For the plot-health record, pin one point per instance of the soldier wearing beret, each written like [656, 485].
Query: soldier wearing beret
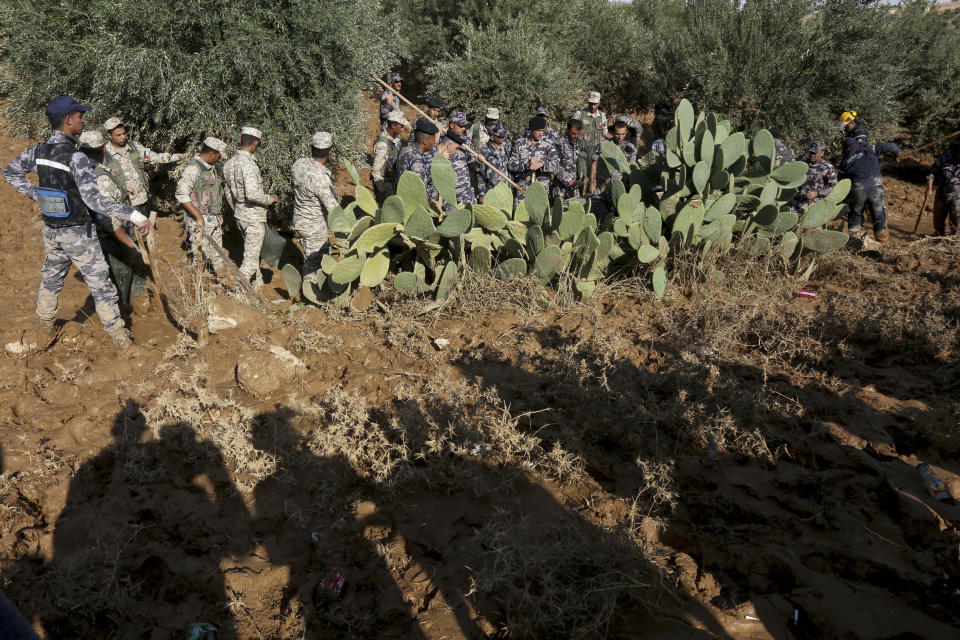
[418, 154]
[533, 157]
[495, 152]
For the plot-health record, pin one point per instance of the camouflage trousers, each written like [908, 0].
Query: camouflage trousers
[253, 233]
[316, 239]
[946, 206]
[68, 246]
[200, 247]
[870, 192]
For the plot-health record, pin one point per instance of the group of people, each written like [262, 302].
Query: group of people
[104, 185]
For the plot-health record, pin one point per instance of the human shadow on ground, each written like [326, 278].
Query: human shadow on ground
[780, 497]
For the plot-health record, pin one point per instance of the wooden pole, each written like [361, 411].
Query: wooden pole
[465, 148]
[930, 144]
[155, 299]
[226, 259]
[926, 195]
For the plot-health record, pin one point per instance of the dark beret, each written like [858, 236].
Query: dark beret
[426, 126]
[436, 103]
[536, 123]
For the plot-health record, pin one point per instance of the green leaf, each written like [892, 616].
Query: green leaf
[636, 235]
[480, 258]
[786, 220]
[490, 218]
[817, 215]
[365, 200]
[659, 281]
[327, 263]
[653, 225]
[511, 268]
[788, 245]
[351, 170]
[291, 279]
[548, 263]
[721, 207]
[626, 206]
[706, 148]
[791, 174]
[447, 280]
[375, 269]
[500, 197]
[613, 156]
[444, 178]
[375, 237]
[825, 240]
[405, 282]
[393, 210]
[839, 192]
[419, 224]
[362, 225]
[456, 223]
[340, 221]
[701, 175]
[535, 242]
[647, 254]
[769, 193]
[411, 189]
[572, 221]
[734, 149]
[347, 270]
[689, 153]
[766, 215]
[537, 202]
[765, 149]
[684, 118]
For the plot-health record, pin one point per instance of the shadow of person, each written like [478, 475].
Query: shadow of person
[141, 538]
[305, 519]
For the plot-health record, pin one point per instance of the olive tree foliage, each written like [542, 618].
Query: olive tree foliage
[180, 70]
[509, 66]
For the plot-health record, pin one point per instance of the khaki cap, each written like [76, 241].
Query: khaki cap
[492, 113]
[322, 140]
[112, 124]
[92, 139]
[216, 144]
[593, 97]
[251, 131]
[397, 116]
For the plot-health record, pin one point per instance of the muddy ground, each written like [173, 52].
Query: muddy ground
[732, 462]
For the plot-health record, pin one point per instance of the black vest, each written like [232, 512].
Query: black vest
[61, 204]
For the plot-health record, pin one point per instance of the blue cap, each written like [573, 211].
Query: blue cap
[63, 105]
[497, 128]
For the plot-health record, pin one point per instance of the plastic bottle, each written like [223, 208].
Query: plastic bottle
[934, 484]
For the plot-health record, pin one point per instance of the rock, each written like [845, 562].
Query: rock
[362, 299]
[226, 313]
[263, 372]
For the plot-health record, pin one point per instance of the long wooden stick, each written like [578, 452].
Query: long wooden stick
[247, 287]
[466, 148]
[930, 144]
[926, 194]
[155, 300]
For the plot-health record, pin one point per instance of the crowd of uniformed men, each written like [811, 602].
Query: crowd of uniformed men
[104, 185]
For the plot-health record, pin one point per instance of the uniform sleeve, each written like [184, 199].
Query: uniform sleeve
[566, 175]
[185, 184]
[324, 191]
[379, 160]
[17, 169]
[888, 147]
[829, 180]
[253, 185]
[153, 157]
[82, 170]
[109, 188]
[518, 161]
[552, 162]
[934, 169]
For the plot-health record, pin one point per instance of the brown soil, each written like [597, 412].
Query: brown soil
[710, 466]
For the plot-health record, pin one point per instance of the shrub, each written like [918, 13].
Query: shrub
[179, 71]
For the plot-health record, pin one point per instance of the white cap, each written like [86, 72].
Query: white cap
[251, 131]
[215, 143]
[321, 140]
[492, 113]
[593, 97]
[92, 139]
[112, 124]
[397, 116]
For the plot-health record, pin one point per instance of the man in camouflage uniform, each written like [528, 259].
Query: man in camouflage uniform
[385, 150]
[533, 158]
[945, 173]
[67, 196]
[200, 193]
[390, 99]
[463, 161]
[549, 134]
[116, 236]
[314, 199]
[821, 178]
[126, 160]
[594, 126]
[494, 152]
[434, 105]
[784, 153]
[417, 155]
[566, 182]
[479, 131]
[249, 201]
[619, 139]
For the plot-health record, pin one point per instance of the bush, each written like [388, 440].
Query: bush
[178, 71]
[509, 66]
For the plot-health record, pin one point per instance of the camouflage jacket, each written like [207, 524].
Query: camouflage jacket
[313, 196]
[127, 164]
[822, 178]
[385, 150]
[594, 126]
[487, 178]
[784, 154]
[412, 159]
[384, 109]
[200, 184]
[549, 134]
[110, 187]
[946, 171]
[245, 188]
[463, 163]
[567, 154]
[81, 169]
[523, 151]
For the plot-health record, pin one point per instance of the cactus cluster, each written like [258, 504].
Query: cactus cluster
[711, 190]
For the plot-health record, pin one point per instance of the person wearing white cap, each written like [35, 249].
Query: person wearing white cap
[385, 149]
[479, 130]
[249, 201]
[594, 126]
[126, 159]
[200, 193]
[313, 200]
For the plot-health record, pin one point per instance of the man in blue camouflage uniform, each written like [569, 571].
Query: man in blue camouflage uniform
[494, 152]
[566, 183]
[821, 178]
[463, 161]
[434, 105]
[549, 134]
[784, 153]
[533, 158]
[945, 173]
[390, 98]
[68, 196]
[861, 163]
[629, 150]
[418, 154]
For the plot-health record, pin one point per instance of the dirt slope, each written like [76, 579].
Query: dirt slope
[707, 467]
